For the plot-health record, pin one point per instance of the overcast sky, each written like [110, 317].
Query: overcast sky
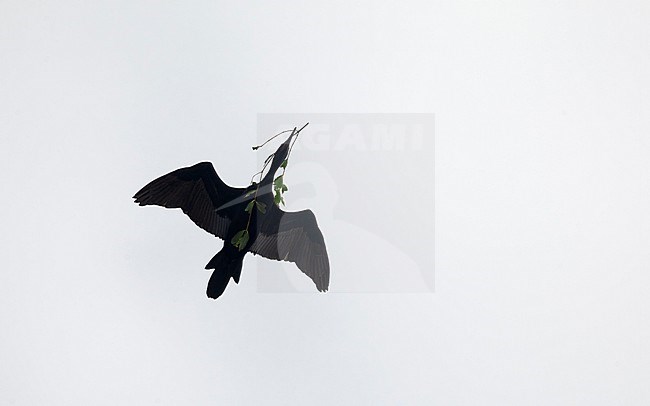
[539, 293]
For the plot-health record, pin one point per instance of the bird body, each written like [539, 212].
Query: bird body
[222, 211]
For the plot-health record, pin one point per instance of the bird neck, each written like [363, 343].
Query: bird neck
[275, 165]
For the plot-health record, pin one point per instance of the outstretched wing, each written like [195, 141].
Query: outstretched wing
[294, 237]
[198, 191]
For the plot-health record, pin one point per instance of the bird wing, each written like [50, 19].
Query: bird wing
[294, 237]
[198, 191]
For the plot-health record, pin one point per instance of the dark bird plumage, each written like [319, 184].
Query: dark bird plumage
[220, 210]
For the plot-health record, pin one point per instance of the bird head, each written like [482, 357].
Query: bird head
[282, 152]
[280, 155]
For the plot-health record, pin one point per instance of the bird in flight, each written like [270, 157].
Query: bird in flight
[247, 219]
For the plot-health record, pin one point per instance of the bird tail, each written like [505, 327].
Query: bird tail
[224, 269]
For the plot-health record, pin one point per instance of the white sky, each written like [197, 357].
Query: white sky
[541, 199]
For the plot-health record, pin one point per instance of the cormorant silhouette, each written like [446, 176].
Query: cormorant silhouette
[220, 210]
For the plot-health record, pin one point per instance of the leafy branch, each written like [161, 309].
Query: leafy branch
[240, 239]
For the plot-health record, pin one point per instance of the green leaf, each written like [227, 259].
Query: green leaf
[261, 207]
[235, 239]
[243, 240]
[252, 192]
[278, 182]
[240, 239]
[277, 198]
[284, 188]
[250, 206]
[284, 163]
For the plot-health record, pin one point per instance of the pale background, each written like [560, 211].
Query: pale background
[542, 229]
